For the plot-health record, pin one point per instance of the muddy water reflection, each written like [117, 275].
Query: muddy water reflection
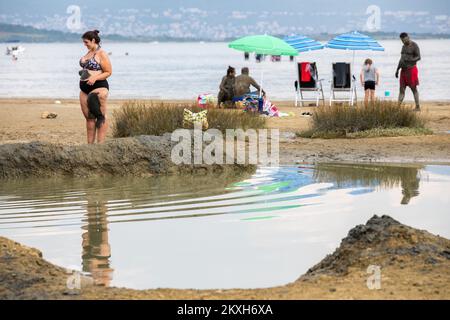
[257, 230]
[95, 243]
[381, 176]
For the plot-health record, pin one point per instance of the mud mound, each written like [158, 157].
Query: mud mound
[415, 265]
[383, 241]
[23, 270]
[142, 155]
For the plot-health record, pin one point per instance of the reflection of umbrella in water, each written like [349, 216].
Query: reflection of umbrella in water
[263, 44]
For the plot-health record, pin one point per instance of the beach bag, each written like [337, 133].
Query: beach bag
[273, 111]
[206, 99]
[190, 118]
[270, 109]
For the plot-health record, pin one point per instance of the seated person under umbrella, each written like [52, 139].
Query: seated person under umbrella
[242, 85]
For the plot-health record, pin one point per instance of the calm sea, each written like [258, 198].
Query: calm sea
[184, 70]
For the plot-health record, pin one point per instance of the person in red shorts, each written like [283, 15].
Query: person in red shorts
[409, 76]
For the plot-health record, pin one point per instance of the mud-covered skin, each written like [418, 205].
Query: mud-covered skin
[414, 264]
[139, 156]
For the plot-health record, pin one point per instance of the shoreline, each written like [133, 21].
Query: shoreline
[414, 263]
[169, 100]
[393, 36]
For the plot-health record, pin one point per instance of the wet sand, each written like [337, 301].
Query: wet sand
[414, 264]
[20, 121]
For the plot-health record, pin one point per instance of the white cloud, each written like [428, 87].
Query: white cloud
[405, 14]
[442, 17]
[238, 15]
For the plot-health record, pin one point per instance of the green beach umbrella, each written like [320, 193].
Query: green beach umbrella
[263, 44]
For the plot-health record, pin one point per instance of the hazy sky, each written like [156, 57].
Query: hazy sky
[218, 19]
[52, 7]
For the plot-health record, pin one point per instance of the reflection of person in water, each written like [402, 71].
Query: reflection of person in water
[410, 185]
[96, 249]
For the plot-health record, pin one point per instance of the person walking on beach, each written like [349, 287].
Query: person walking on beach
[409, 76]
[94, 87]
[226, 88]
[370, 78]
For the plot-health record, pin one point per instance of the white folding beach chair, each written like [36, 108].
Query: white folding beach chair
[308, 82]
[343, 82]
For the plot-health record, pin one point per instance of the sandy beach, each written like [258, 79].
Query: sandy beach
[69, 128]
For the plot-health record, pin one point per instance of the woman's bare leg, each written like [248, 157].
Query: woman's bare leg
[90, 123]
[372, 96]
[103, 98]
[366, 97]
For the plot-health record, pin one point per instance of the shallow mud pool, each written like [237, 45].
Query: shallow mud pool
[253, 231]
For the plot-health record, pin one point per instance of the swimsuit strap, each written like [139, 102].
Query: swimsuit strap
[95, 52]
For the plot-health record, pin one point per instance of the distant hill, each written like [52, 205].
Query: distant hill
[19, 33]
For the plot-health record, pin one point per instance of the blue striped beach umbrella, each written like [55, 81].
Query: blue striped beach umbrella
[302, 43]
[354, 41]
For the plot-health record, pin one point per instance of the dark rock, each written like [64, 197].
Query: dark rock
[372, 230]
[431, 260]
[71, 293]
[446, 254]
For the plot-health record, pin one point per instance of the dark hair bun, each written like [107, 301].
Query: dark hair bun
[92, 35]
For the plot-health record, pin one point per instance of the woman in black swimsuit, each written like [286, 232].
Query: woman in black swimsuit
[96, 69]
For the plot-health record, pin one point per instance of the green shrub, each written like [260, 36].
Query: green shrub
[141, 118]
[378, 119]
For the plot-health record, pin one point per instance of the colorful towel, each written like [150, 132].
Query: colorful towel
[251, 102]
[306, 72]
